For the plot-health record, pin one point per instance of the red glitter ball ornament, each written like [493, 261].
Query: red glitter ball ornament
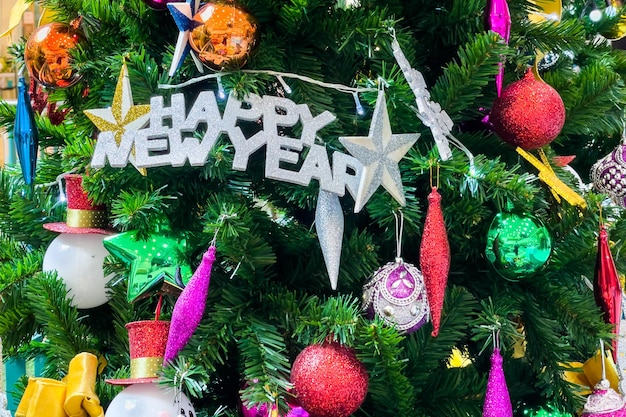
[529, 113]
[329, 380]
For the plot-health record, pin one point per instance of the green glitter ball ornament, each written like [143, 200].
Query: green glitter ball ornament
[517, 245]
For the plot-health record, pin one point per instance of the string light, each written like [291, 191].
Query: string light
[359, 107]
[221, 93]
[595, 15]
[284, 84]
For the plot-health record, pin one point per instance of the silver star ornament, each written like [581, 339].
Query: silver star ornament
[379, 152]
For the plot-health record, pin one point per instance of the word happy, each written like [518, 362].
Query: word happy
[168, 140]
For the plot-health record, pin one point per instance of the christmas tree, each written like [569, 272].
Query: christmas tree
[295, 146]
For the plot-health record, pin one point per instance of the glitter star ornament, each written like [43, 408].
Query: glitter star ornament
[329, 380]
[122, 116]
[497, 399]
[183, 13]
[379, 152]
[151, 261]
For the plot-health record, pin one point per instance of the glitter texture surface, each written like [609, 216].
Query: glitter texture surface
[189, 307]
[497, 400]
[329, 380]
[529, 113]
[329, 228]
[82, 215]
[147, 339]
[396, 293]
[604, 402]
[122, 116]
[379, 152]
[498, 19]
[435, 258]
[609, 175]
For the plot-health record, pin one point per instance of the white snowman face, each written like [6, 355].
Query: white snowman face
[150, 400]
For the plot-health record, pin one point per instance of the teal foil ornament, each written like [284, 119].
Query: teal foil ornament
[25, 133]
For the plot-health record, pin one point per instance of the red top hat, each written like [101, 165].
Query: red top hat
[147, 339]
[82, 215]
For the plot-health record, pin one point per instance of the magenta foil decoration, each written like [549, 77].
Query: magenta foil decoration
[497, 400]
[189, 307]
[498, 19]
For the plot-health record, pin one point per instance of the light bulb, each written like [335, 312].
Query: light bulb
[595, 15]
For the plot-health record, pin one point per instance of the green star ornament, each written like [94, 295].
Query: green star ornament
[151, 261]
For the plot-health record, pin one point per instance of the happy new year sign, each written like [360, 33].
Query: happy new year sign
[168, 140]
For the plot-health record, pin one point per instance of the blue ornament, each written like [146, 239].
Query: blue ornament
[183, 13]
[25, 133]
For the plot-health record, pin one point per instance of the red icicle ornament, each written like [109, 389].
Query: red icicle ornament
[435, 258]
[606, 286]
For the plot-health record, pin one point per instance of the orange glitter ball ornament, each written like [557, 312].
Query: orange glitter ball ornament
[225, 37]
[48, 55]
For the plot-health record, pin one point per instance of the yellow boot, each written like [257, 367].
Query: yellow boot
[81, 400]
[22, 408]
[42, 397]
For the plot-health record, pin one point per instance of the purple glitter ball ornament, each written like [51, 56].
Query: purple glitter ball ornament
[497, 400]
[397, 294]
[609, 175]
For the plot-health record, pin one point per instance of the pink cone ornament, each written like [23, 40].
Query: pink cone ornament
[497, 400]
[189, 307]
[498, 19]
[606, 286]
[435, 258]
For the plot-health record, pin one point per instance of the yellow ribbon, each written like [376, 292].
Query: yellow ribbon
[74, 396]
[547, 10]
[146, 367]
[86, 218]
[588, 374]
[17, 11]
[459, 358]
[547, 175]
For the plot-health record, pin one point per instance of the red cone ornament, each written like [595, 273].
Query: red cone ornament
[435, 258]
[329, 380]
[606, 285]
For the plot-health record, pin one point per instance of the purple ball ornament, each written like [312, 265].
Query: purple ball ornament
[397, 294]
[609, 175]
[158, 4]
